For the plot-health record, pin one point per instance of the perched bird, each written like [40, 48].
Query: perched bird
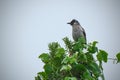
[77, 30]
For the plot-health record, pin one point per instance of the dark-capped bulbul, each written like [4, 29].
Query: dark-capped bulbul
[77, 30]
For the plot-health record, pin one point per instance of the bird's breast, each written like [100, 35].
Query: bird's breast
[77, 34]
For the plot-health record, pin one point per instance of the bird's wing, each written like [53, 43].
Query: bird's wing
[84, 33]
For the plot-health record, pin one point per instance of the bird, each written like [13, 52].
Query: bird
[77, 30]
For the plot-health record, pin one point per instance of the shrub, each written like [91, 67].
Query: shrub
[74, 62]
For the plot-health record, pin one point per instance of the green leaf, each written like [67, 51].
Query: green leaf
[80, 44]
[70, 78]
[118, 57]
[102, 56]
[53, 48]
[60, 52]
[94, 68]
[78, 69]
[87, 75]
[68, 43]
[92, 47]
[56, 62]
[48, 68]
[73, 58]
[82, 40]
[89, 57]
[66, 67]
[82, 58]
[42, 75]
[66, 60]
[76, 47]
[45, 57]
[94, 43]
[70, 60]
[37, 78]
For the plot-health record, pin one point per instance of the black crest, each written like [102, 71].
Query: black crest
[73, 21]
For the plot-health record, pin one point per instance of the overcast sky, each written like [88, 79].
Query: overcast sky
[28, 26]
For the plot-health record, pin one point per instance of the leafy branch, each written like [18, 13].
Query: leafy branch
[74, 62]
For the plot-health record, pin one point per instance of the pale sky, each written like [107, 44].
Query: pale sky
[28, 26]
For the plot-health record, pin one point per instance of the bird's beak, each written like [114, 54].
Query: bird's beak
[68, 23]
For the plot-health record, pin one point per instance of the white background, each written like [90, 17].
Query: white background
[28, 26]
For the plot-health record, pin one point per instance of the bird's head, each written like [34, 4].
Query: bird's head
[74, 22]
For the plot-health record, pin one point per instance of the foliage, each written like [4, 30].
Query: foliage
[74, 62]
